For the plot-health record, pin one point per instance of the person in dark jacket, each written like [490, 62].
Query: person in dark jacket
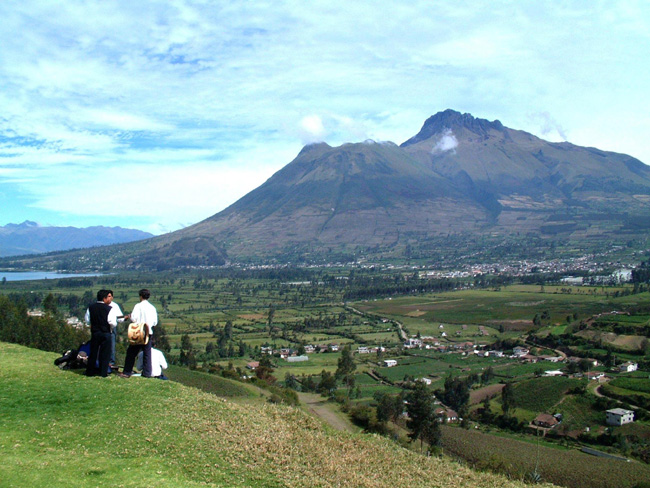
[100, 330]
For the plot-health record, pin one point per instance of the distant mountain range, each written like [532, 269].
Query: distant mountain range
[460, 175]
[31, 238]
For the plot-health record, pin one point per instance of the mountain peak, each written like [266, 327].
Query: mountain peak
[314, 146]
[451, 119]
[25, 225]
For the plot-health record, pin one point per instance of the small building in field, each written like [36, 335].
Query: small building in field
[446, 415]
[619, 416]
[554, 372]
[546, 421]
[253, 365]
[519, 351]
[389, 363]
[296, 359]
[413, 343]
[628, 367]
[595, 375]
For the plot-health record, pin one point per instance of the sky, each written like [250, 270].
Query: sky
[155, 115]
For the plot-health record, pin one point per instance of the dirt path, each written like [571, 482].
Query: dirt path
[319, 407]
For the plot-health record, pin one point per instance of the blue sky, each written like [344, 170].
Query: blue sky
[156, 115]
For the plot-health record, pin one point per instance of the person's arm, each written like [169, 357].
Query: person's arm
[112, 316]
[118, 311]
[136, 315]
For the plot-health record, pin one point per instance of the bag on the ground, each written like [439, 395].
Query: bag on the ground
[138, 333]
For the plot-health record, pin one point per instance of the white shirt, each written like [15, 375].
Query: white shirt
[112, 315]
[158, 362]
[145, 312]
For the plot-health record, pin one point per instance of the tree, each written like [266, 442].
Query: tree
[188, 355]
[227, 330]
[485, 412]
[422, 422]
[49, 304]
[346, 368]
[291, 382]
[487, 375]
[265, 370]
[508, 399]
[269, 317]
[161, 341]
[389, 407]
[456, 393]
[327, 382]
[584, 365]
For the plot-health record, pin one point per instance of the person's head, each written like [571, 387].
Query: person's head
[102, 295]
[144, 294]
[110, 295]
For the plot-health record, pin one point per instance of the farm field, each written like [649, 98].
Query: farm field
[559, 466]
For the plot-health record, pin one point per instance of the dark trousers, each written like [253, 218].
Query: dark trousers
[100, 345]
[131, 354]
[113, 341]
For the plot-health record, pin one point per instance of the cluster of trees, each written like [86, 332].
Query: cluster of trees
[387, 285]
[49, 332]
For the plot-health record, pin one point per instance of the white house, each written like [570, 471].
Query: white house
[619, 416]
[519, 351]
[555, 372]
[553, 359]
[389, 363]
[426, 381]
[495, 354]
[628, 367]
[412, 343]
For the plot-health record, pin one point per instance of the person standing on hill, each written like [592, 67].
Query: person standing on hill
[101, 320]
[143, 312]
[117, 311]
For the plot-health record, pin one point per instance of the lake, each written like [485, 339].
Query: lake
[41, 275]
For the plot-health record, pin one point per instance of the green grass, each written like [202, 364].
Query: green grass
[210, 383]
[638, 385]
[59, 428]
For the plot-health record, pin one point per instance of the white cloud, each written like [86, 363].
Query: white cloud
[188, 85]
[446, 142]
[312, 129]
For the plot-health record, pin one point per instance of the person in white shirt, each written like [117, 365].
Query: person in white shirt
[158, 363]
[116, 312]
[143, 312]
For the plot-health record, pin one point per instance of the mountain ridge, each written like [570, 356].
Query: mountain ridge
[29, 237]
[459, 175]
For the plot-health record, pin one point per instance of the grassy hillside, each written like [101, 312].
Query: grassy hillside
[59, 428]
